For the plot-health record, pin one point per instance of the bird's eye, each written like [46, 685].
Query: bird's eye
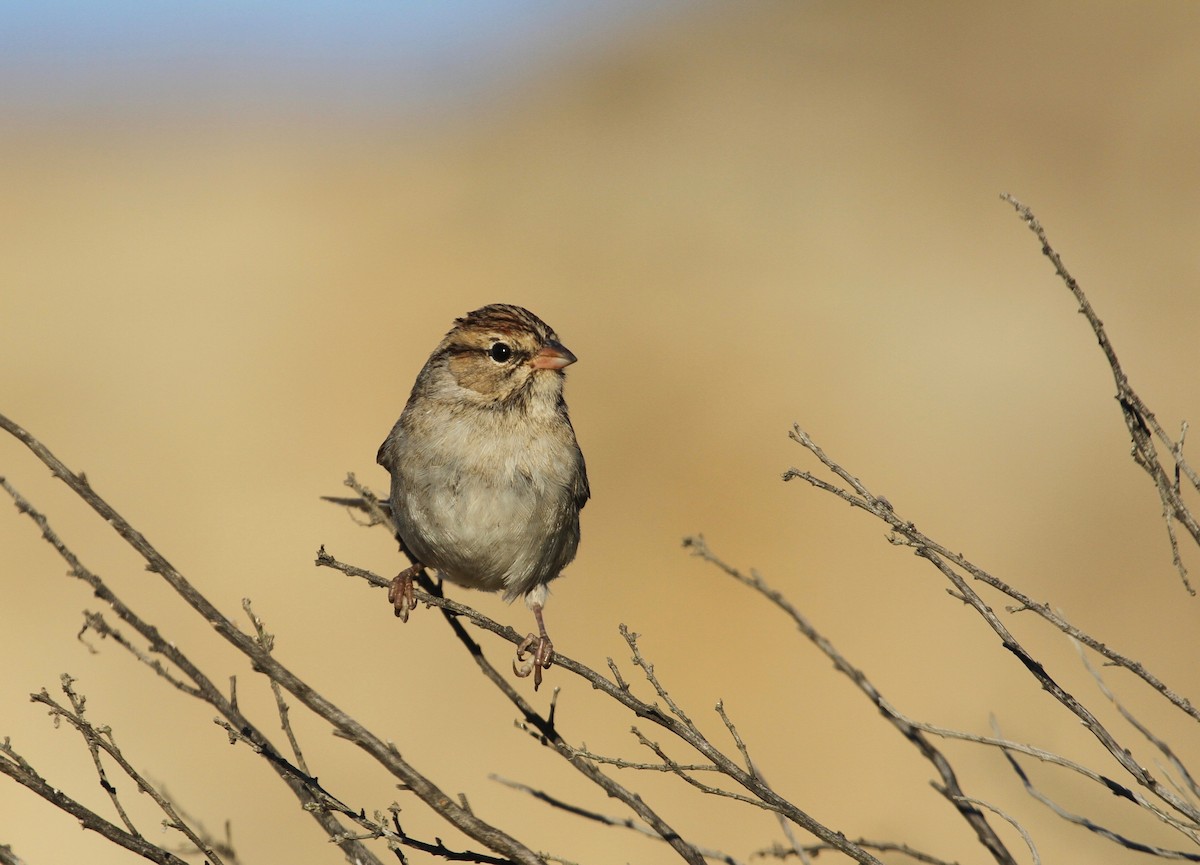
[500, 352]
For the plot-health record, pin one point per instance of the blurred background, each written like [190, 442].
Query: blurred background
[230, 234]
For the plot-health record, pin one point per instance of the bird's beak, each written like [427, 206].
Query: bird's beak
[552, 356]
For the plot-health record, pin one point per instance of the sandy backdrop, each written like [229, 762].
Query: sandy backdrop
[737, 217]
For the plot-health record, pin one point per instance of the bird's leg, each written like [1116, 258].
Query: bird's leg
[400, 592]
[543, 651]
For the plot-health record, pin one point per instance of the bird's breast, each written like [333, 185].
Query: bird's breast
[487, 504]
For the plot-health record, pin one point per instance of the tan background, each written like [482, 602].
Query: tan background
[738, 217]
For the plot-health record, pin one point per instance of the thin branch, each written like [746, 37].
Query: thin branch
[648, 669]
[430, 595]
[1115, 837]
[91, 737]
[97, 623]
[606, 820]
[622, 763]
[16, 767]
[377, 828]
[224, 846]
[101, 739]
[267, 642]
[737, 739]
[1164, 748]
[979, 803]
[1109, 785]
[1139, 420]
[547, 731]
[950, 787]
[438, 849]
[623, 695]
[780, 852]
[678, 769]
[905, 533]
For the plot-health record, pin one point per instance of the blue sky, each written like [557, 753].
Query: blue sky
[402, 54]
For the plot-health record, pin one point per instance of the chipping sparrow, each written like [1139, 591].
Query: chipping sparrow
[487, 478]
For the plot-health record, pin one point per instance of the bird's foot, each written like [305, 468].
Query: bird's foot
[543, 651]
[541, 655]
[401, 594]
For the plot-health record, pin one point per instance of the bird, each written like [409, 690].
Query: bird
[487, 478]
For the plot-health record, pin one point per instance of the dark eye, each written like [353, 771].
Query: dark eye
[500, 352]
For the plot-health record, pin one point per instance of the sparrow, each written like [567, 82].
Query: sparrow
[487, 477]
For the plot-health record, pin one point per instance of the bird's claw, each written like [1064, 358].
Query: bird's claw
[541, 652]
[401, 594]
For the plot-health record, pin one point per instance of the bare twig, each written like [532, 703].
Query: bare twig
[669, 764]
[101, 739]
[91, 737]
[224, 845]
[622, 693]
[429, 594]
[267, 642]
[905, 533]
[607, 820]
[1164, 748]
[779, 852]
[1092, 826]
[622, 763]
[737, 739]
[648, 669]
[374, 828]
[97, 623]
[979, 803]
[1142, 425]
[950, 787]
[548, 732]
[16, 767]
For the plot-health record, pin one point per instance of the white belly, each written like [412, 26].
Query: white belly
[494, 514]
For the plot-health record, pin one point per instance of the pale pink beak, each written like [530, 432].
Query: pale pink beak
[552, 356]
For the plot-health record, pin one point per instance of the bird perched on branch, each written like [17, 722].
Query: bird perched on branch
[487, 477]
